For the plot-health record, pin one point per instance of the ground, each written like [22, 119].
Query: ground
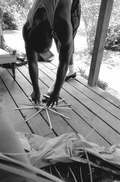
[110, 67]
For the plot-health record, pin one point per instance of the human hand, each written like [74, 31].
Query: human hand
[53, 99]
[35, 97]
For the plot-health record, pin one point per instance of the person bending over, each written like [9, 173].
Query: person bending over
[47, 20]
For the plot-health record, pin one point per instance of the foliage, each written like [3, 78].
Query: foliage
[15, 12]
[8, 21]
[90, 12]
[113, 34]
[113, 38]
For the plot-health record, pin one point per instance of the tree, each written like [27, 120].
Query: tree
[15, 12]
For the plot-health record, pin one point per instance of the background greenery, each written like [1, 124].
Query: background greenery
[90, 12]
[15, 12]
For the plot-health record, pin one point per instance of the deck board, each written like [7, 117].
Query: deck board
[9, 104]
[95, 114]
[91, 111]
[36, 124]
[57, 125]
[107, 96]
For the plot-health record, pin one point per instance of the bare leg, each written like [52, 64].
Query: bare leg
[71, 67]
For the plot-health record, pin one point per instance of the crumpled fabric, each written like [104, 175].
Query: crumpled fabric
[67, 147]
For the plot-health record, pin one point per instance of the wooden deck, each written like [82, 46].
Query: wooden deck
[95, 114]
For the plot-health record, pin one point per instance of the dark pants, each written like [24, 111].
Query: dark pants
[75, 16]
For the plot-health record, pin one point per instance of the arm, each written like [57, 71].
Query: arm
[32, 63]
[64, 35]
[64, 59]
[33, 71]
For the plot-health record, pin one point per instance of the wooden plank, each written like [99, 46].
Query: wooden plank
[101, 33]
[59, 125]
[15, 117]
[36, 124]
[78, 125]
[96, 115]
[106, 100]
[115, 111]
[104, 94]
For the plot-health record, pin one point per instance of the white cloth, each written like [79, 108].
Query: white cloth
[65, 148]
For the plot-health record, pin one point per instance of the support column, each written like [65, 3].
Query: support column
[101, 33]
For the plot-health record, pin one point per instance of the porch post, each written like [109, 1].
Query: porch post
[101, 33]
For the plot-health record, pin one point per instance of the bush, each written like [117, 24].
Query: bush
[113, 35]
[8, 21]
[90, 12]
[15, 14]
[113, 38]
